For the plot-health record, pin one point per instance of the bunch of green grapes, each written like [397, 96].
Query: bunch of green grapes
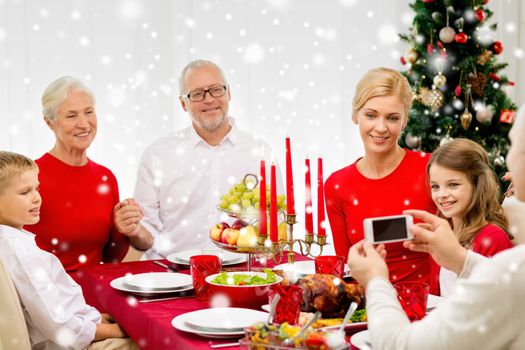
[244, 197]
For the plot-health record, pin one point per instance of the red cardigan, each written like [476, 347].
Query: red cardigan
[351, 197]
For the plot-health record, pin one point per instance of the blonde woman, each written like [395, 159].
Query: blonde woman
[387, 179]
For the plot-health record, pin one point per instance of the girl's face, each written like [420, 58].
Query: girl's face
[451, 191]
[381, 120]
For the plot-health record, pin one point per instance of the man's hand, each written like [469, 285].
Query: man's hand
[434, 236]
[367, 262]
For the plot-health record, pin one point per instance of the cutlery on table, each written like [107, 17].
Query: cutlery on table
[273, 307]
[291, 341]
[224, 345]
[349, 313]
[161, 264]
[168, 298]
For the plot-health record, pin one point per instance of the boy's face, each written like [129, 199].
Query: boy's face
[20, 201]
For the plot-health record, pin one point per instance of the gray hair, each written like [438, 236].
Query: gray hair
[197, 64]
[57, 92]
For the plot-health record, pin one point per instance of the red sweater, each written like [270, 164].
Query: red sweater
[76, 217]
[351, 197]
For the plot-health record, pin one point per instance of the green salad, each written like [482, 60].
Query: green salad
[242, 279]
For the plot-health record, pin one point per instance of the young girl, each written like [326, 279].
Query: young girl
[465, 191]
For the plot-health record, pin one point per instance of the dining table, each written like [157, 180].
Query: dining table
[149, 324]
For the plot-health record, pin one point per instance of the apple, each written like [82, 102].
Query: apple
[247, 237]
[238, 224]
[216, 231]
[229, 236]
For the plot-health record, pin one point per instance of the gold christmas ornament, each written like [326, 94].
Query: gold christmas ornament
[484, 57]
[447, 35]
[465, 119]
[411, 56]
[440, 80]
[433, 99]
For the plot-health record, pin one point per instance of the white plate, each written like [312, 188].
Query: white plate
[225, 319]
[153, 281]
[179, 323]
[227, 258]
[303, 268]
[120, 284]
[361, 340]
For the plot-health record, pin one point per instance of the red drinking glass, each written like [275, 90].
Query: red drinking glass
[413, 298]
[330, 264]
[201, 266]
[289, 306]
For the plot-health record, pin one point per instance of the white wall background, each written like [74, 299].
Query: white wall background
[292, 66]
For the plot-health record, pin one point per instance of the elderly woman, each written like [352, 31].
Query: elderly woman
[387, 179]
[77, 220]
[487, 311]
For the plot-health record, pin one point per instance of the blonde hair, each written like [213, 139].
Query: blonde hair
[57, 92]
[380, 82]
[197, 64]
[11, 165]
[469, 158]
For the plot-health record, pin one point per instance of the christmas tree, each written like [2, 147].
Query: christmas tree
[458, 86]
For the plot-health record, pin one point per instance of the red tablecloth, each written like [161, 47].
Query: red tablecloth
[149, 324]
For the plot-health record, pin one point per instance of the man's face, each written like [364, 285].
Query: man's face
[211, 113]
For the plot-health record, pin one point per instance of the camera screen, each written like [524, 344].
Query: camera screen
[389, 229]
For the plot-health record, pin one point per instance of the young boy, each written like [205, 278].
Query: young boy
[55, 311]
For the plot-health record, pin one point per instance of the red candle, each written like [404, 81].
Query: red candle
[290, 201]
[263, 225]
[273, 205]
[321, 231]
[309, 221]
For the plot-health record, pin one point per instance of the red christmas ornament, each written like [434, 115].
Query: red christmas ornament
[430, 49]
[440, 44]
[497, 47]
[457, 90]
[428, 1]
[480, 15]
[511, 83]
[494, 77]
[461, 38]
[485, 2]
[403, 61]
[507, 116]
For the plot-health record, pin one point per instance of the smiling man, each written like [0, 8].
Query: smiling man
[182, 175]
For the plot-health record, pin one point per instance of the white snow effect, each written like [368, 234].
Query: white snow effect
[82, 258]
[387, 34]
[84, 41]
[75, 15]
[116, 96]
[103, 189]
[370, 14]
[44, 13]
[54, 241]
[253, 53]
[132, 301]
[329, 34]
[220, 300]
[3, 34]
[130, 10]
[319, 59]
[469, 16]
[65, 336]
[518, 52]
[36, 27]
[288, 95]
[190, 23]
[105, 60]
[510, 27]
[484, 35]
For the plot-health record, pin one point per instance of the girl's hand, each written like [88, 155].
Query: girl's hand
[435, 237]
[367, 262]
[510, 189]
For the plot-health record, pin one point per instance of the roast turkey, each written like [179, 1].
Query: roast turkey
[328, 294]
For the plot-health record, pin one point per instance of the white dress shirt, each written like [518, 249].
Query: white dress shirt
[486, 312]
[55, 311]
[180, 180]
